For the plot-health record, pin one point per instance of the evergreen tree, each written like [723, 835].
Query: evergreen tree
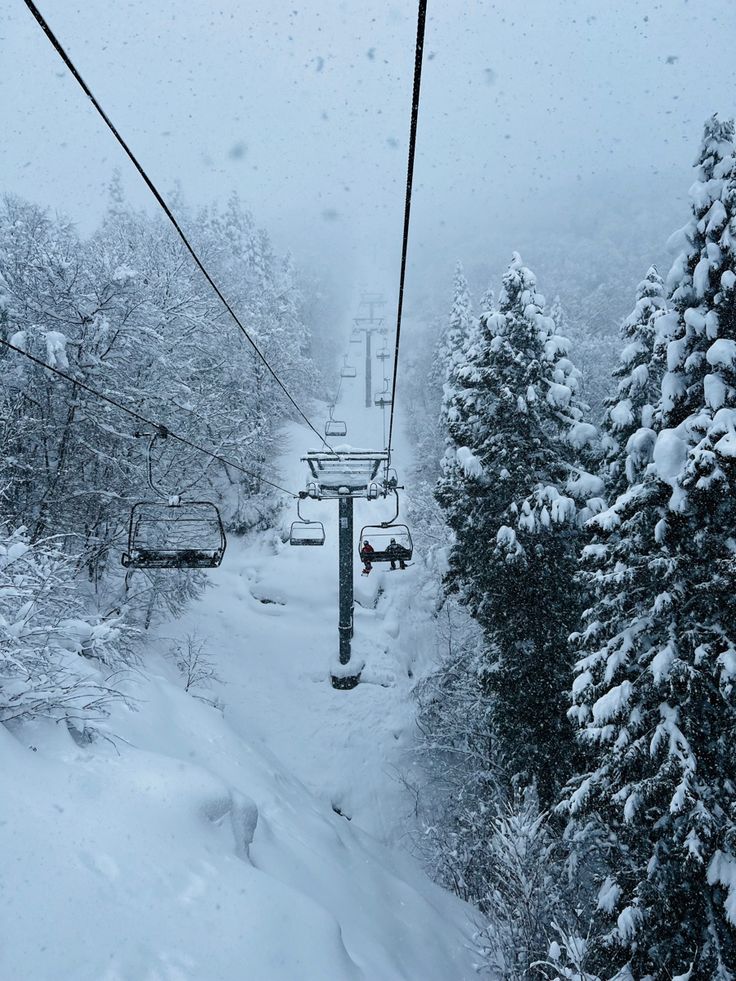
[488, 301]
[654, 694]
[455, 352]
[559, 318]
[639, 375]
[516, 522]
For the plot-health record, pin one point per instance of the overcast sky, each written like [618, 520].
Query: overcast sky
[303, 108]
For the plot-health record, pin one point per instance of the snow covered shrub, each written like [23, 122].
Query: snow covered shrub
[196, 668]
[526, 889]
[54, 660]
[566, 958]
[499, 853]
[457, 753]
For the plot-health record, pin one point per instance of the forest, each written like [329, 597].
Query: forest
[532, 771]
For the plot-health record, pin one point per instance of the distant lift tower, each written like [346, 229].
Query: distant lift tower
[369, 325]
[343, 476]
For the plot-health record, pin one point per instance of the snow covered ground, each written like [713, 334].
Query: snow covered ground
[199, 843]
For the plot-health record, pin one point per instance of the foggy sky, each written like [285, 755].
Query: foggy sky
[303, 108]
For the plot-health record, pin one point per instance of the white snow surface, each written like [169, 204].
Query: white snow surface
[194, 844]
[670, 454]
[471, 465]
[56, 349]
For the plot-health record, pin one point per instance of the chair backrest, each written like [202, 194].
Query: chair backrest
[188, 535]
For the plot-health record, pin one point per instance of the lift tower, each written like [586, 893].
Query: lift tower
[369, 325]
[344, 476]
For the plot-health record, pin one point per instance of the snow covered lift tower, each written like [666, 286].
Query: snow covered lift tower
[343, 476]
[369, 326]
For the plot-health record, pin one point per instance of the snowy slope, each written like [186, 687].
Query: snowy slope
[200, 844]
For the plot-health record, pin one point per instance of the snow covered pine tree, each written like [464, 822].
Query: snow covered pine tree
[516, 523]
[455, 353]
[654, 694]
[639, 371]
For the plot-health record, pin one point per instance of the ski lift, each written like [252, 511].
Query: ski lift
[172, 533]
[335, 427]
[348, 370]
[391, 542]
[305, 532]
[355, 337]
[382, 399]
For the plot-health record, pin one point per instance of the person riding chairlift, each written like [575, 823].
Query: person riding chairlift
[366, 553]
[397, 552]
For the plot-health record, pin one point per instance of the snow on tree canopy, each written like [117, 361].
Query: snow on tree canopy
[522, 422]
[658, 642]
[56, 349]
[639, 375]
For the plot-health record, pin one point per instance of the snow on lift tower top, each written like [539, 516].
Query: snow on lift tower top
[347, 473]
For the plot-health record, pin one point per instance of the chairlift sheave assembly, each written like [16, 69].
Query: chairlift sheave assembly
[306, 532]
[171, 533]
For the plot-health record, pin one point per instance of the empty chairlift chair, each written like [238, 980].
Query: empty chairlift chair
[348, 370]
[183, 535]
[306, 532]
[336, 427]
[172, 533]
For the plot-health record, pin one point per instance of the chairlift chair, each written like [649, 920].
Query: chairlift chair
[383, 355]
[306, 532]
[336, 427]
[183, 535]
[391, 480]
[382, 399]
[391, 541]
[355, 338]
[172, 533]
[348, 370]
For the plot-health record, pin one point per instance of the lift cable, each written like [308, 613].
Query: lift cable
[167, 211]
[421, 21]
[141, 418]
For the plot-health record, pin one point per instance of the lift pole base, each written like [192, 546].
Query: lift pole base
[345, 677]
[346, 683]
